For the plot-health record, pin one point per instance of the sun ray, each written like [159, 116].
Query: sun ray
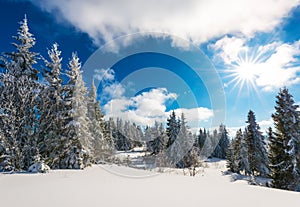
[243, 72]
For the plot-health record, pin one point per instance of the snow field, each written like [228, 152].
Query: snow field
[96, 186]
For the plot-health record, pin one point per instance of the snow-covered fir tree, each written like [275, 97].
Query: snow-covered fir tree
[202, 137]
[284, 147]
[243, 155]
[19, 100]
[257, 154]
[138, 135]
[280, 163]
[122, 142]
[223, 143]
[208, 142]
[186, 142]
[237, 157]
[102, 146]
[108, 129]
[179, 151]
[76, 136]
[155, 138]
[51, 110]
[230, 164]
[214, 143]
[173, 128]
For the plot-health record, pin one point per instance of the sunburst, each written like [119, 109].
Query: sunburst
[244, 71]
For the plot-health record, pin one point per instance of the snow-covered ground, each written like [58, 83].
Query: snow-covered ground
[112, 185]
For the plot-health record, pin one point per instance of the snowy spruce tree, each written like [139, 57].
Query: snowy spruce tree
[51, 109]
[201, 138]
[237, 157]
[173, 128]
[242, 156]
[76, 135]
[102, 146]
[180, 151]
[155, 138]
[230, 164]
[122, 142]
[284, 145]
[257, 154]
[19, 100]
[223, 143]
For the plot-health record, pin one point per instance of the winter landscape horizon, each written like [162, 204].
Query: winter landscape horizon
[172, 103]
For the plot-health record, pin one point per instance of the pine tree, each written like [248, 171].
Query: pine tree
[243, 155]
[110, 131]
[201, 138]
[257, 155]
[20, 63]
[102, 148]
[284, 146]
[230, 162]
[19, 100]
[77, 138]
[181, 151]
[172, 129]
[122, 142]
[279, 175]
[5, 161]
[51, 110]
[237, 155]
[223, 143]
[156, 138]
[209, 144]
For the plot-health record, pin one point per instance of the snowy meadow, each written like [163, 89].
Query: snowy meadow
[73, 134]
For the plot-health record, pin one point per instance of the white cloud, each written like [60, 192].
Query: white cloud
[265, 124]
[152, 103]
[104, 74]
[148, 107]
[193, 20]
[279, 70]
[228, 49]
[274, 65]
[114, 90]
[142, 109]
[195, 115]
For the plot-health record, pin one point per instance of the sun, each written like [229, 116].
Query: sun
[244, 72]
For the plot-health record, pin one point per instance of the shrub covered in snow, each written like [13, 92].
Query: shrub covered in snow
[39, 167]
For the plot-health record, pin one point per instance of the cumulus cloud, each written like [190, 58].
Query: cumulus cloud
[229, 48]
[142, 109]
[274, 65]
[148, 107]
[280, 68]
[193, 20]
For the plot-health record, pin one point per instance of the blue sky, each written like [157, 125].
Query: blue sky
[182, 55]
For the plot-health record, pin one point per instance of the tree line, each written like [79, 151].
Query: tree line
[176, 146]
